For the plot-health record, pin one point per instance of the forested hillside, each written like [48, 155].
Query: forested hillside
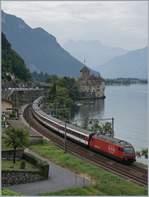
[13, 66]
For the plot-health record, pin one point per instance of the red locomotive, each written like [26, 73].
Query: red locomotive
[112, 147]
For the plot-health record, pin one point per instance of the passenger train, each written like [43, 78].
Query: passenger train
[112, 147]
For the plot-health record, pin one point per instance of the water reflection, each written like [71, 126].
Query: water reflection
[89, 110]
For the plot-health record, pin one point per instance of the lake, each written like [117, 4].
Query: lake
[128, 106]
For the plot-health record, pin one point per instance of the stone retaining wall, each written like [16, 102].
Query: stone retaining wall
[17, 177]
[8, 154]
[42, 165]
[11, 177]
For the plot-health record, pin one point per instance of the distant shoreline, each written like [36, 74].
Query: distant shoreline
[125, 81]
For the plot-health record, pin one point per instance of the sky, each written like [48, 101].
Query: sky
[118, 24]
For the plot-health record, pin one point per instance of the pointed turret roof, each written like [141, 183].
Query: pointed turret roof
[85, 69]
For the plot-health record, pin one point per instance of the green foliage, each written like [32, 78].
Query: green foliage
[71, 85]
[102, 128]
[143, 152]
[83, 191]
[16, 137]
[12, 64]
[63, 93]
[52, 79]
[8, 192]
[52, 92]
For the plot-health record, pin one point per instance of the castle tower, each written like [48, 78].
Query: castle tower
[85, 72]
[91, 86]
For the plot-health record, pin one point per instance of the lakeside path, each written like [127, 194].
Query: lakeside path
[59, 179]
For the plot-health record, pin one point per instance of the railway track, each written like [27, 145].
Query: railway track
[132, 172]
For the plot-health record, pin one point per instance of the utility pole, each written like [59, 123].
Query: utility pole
[112, 127]
[65, 138]
[84, 60]
[65, 128]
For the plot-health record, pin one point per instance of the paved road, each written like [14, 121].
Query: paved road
[59, 179]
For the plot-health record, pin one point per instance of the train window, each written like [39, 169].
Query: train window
[128, 150]
[61, 128]
[76, 134]
[71, 132]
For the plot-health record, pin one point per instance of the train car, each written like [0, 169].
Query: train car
[58, 126]
[113, 147]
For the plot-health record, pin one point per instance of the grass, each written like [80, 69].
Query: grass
[8, 165]
[8, 192]
[102, 182]
[84, 191]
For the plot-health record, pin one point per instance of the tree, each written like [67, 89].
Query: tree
[143, 152]
[63, 114]
[52, 92]
[63, 93]
[52, 79]
[16, 137]
[107, 128]
[13, 66]
[101, 128]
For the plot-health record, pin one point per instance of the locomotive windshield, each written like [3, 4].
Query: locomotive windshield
[128, 150]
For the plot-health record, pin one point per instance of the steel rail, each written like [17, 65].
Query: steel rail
[132, 172]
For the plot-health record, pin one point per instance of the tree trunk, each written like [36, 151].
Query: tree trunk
[14, 155]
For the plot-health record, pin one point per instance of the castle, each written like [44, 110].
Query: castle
[91, 86]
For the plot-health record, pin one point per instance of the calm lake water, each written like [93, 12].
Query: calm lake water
[128, 106]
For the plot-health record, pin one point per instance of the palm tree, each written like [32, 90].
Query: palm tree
[16, 138]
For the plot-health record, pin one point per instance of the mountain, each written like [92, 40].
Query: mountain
[132, 65]
[93, 51]
[13, 66]
[39, 49]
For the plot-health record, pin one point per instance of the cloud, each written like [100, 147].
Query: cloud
[122, 24]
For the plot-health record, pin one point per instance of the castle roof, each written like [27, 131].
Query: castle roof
[90, 77]
[85, 69]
